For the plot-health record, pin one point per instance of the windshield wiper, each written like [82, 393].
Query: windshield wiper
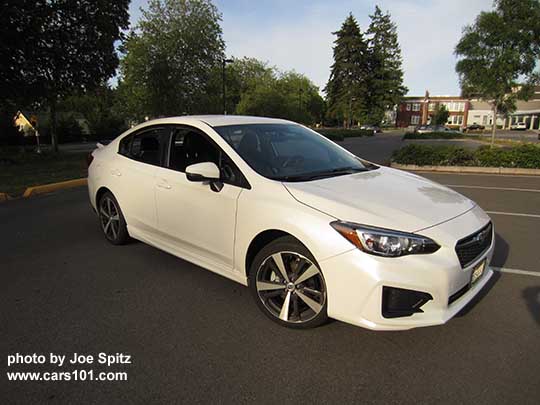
[322, 174]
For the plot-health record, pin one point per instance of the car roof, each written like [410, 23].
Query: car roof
[220, 120]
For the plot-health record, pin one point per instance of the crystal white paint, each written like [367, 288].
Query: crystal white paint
[215, 229]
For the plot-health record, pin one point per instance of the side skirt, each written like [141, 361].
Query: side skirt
[160, 244]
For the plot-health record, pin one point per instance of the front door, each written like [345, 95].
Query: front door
[197, 220]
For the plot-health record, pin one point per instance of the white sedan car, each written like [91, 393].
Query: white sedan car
[522, 126]
[314, 231]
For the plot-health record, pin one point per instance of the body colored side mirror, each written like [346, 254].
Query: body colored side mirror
[205, 171]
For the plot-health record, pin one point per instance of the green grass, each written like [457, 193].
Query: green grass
[525, 156]
[20, 170]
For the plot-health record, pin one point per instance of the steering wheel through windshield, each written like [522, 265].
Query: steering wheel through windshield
[292, 161]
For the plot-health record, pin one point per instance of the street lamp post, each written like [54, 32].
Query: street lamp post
[300, 92]
[350, 120]
[224, 62]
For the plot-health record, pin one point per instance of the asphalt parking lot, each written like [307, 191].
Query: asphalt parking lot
[194, 336]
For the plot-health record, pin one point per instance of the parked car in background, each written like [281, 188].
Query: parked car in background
[423, 129]
[426, 129]
[442, 128]
[475, 127]
[375, 128]
[313, 230]
[519, 126]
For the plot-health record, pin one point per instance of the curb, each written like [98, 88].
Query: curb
[468, 169]
[47, 188]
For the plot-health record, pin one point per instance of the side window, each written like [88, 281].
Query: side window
[148, 146]
[189, 147]
[125, 144]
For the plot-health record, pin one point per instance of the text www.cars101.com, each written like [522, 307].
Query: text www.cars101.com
[75, 375]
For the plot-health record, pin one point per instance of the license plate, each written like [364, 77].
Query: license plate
[478, 271]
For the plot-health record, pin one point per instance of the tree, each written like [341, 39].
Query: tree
[346, 89]
[245, 74]
[304, 103]
[440, 115]
[271, 93]
[385, 74]
[68, 45]
[498, 55]
[101, 109]
[20, 29]
[170, 59]
[264, 100]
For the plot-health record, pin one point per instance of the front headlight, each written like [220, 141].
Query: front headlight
[384, 242]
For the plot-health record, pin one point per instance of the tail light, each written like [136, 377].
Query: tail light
[89, 159]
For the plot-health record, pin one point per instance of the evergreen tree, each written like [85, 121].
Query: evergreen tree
[346, 87]
[385, 77]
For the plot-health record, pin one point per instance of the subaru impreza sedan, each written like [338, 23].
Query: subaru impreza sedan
[313, 230]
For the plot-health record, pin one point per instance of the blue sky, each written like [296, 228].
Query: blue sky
[297, 34]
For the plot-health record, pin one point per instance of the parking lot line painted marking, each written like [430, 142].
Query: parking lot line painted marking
[529, 190]
[515, 214]
[516, 271]
[476, 174]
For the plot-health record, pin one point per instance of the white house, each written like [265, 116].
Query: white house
[526, 111]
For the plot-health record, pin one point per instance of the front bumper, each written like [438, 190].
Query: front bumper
[355, 280]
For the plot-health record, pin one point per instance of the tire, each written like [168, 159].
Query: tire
[111, 220]
[294, 299]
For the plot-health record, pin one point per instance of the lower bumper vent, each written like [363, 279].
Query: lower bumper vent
[399, 302]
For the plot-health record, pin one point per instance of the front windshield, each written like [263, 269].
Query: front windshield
[290, 152]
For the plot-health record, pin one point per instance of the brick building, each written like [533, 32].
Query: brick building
[415, 110]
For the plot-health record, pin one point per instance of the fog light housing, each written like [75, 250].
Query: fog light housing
[400, 302]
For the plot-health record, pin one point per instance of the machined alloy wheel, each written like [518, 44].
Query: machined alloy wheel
[291, 288]
[111, 220]
[109, 217]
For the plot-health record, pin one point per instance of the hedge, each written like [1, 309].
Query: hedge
[434, 135]
[522, 156]
[339, 134]
[332, 137]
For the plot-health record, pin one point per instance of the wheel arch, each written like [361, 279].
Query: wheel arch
[99, 193]
[261, 240]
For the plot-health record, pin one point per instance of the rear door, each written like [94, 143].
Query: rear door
[139, 155]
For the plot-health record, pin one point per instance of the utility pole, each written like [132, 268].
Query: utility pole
[494, 125]
[224, 62]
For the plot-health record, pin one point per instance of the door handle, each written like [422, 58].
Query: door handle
[116, 172]
[164, 184]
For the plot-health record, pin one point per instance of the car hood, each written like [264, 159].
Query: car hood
[384, 197]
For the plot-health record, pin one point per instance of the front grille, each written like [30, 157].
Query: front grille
[473, 246]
